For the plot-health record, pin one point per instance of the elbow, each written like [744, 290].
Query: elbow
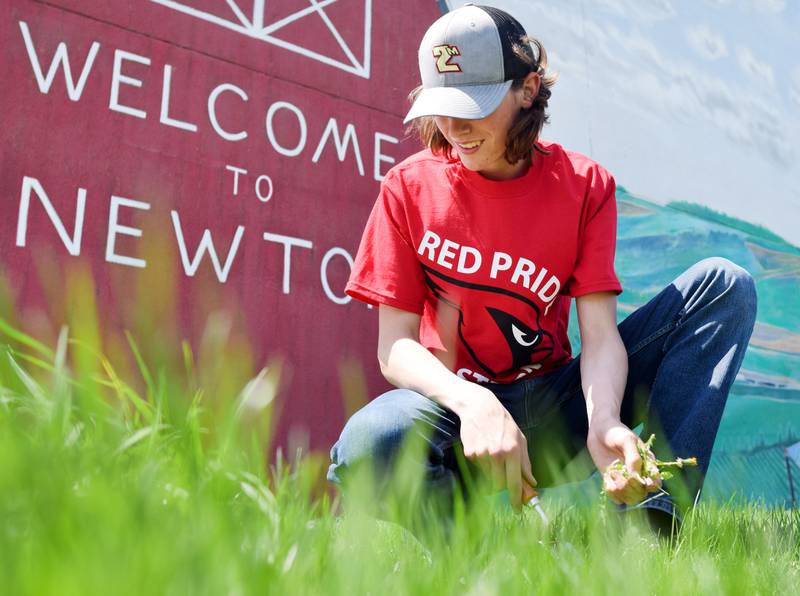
[383, 365]
[391, 363]
[389, 374]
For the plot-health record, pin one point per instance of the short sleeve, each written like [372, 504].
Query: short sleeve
[594, 267]
[386, 268]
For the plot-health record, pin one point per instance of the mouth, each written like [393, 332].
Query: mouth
[470, 146]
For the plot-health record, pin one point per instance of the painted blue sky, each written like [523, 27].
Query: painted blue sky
[681, 100]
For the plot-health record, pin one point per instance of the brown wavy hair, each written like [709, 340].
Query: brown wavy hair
[527, 126]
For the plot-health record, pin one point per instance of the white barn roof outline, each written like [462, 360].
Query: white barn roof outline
[254, 26]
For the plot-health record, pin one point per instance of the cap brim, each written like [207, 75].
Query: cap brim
[469, 102]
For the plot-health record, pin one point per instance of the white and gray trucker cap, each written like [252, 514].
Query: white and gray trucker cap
[467, 63]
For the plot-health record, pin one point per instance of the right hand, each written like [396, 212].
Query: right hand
[493, 440]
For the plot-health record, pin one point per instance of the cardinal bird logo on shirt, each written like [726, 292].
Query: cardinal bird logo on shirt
[499, 328]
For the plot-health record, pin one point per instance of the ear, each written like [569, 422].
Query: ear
[530, 88]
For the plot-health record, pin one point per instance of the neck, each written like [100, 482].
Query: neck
[509, 171]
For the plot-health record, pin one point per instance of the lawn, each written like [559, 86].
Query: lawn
[157, 483]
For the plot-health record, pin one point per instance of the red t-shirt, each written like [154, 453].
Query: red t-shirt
[490, 265]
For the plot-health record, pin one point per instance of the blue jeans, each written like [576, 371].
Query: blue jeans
[684, 348]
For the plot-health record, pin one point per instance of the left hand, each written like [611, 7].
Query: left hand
[610, 440]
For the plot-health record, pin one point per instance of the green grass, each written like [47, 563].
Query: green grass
[157, 483]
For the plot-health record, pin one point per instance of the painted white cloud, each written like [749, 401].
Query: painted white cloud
[769, 6]
[640, 10]
[573, 41]
[760, 71]
[794, 85]
[558, 63]
[707, 43]
[763, 6]
[659, 84]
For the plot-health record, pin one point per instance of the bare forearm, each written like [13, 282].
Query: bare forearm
[604, 372]
[409, 365]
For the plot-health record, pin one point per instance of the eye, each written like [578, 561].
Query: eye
[519, 335]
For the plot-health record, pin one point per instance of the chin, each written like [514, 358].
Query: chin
[471, 164]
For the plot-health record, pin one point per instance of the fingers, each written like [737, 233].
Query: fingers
[498, 473]
[528, 493]
[624, 486]
[514, 480]
[528, 481]
[491, 470]
[656, 484]
[634, 492]
[622, 489]
[527, 474]
[612, 484]
[505, 463]
[628, 488]
[519, 477]
[633, 461]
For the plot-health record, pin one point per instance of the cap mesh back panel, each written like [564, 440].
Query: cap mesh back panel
[511, 32]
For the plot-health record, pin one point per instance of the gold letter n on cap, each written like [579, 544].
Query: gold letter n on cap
[443, 55]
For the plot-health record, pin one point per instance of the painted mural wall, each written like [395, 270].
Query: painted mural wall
[211, 164]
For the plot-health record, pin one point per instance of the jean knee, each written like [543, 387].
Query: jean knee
[374, 433]
[738, 283]
[367, 435]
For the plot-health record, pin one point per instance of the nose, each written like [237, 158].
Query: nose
[456, 125]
